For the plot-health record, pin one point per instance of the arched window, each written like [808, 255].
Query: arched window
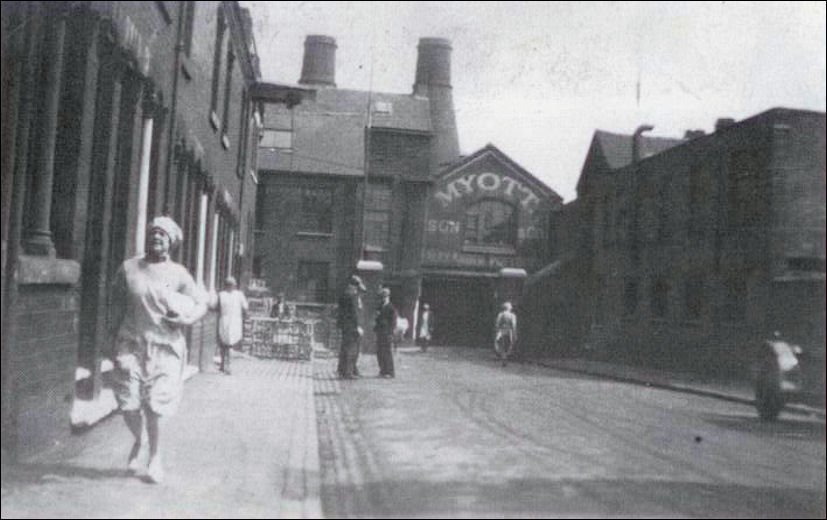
[491, 223]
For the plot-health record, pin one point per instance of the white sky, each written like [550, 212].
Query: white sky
[537, 78]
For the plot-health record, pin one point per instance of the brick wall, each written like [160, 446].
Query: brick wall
[284, 242]
[45, 364]
[712, 220]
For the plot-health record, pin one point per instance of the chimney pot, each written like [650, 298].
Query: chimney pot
[636, 141]
[723, 122]
[433, 80]
[319, 64]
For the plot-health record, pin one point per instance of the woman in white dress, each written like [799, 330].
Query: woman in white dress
[231, 305]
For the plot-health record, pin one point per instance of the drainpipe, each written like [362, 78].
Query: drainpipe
[636, 141]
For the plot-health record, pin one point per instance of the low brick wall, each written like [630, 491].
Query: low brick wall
[44, 367]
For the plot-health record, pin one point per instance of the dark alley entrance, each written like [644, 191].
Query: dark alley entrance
[464, 309]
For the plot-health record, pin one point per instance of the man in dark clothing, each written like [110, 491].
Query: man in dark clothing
[348, 322]
[384, 328]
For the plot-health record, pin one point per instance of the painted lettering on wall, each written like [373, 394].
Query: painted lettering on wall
[490, 183]
[454, 227]
[460, 259]
[445, 227]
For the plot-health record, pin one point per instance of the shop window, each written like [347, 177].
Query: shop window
[317, 210]
[491, 223]
[312, 281]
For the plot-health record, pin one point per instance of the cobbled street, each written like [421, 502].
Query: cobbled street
[456, 434]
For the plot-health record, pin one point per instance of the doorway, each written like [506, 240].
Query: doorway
[464, 310]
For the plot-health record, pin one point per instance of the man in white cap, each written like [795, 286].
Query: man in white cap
[349, 322]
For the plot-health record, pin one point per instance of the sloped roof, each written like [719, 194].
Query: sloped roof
[329, 129]
[617, 148]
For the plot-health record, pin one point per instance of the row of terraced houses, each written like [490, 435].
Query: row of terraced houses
[114, 112]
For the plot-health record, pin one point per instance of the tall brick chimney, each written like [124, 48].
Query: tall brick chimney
[433, 80]
[319, 64]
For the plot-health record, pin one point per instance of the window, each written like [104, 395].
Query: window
[694, 297]
[630, 296]
[216, 67]
[663, 211]
[747, 198]
[806, 264]
[607, 220]
[189, 21]
[258, 261]
[781, 137]
[735, 299]
[382, 107]
[599, 300]
[278, 139]
[316, 210]
[554, 233]
[622, 226]
[659, 299]
[261, 201]
[633, 233]
[491, 223]
[312, 281]
[244, 127]
[378, 216]
[228, 92]
[696, 200]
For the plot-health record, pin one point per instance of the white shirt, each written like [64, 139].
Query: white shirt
[425, 326]
[230, 319]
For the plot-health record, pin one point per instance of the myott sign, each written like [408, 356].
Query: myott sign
[487, 183]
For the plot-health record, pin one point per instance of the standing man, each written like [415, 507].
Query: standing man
[348, 322]
[426, 327]
[384, 329]
[279, 307]
[231, 308]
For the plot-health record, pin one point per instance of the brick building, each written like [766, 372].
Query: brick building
[311, 230]
[113, 112]
[318, 160]
[688, 250]
[486, 229]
